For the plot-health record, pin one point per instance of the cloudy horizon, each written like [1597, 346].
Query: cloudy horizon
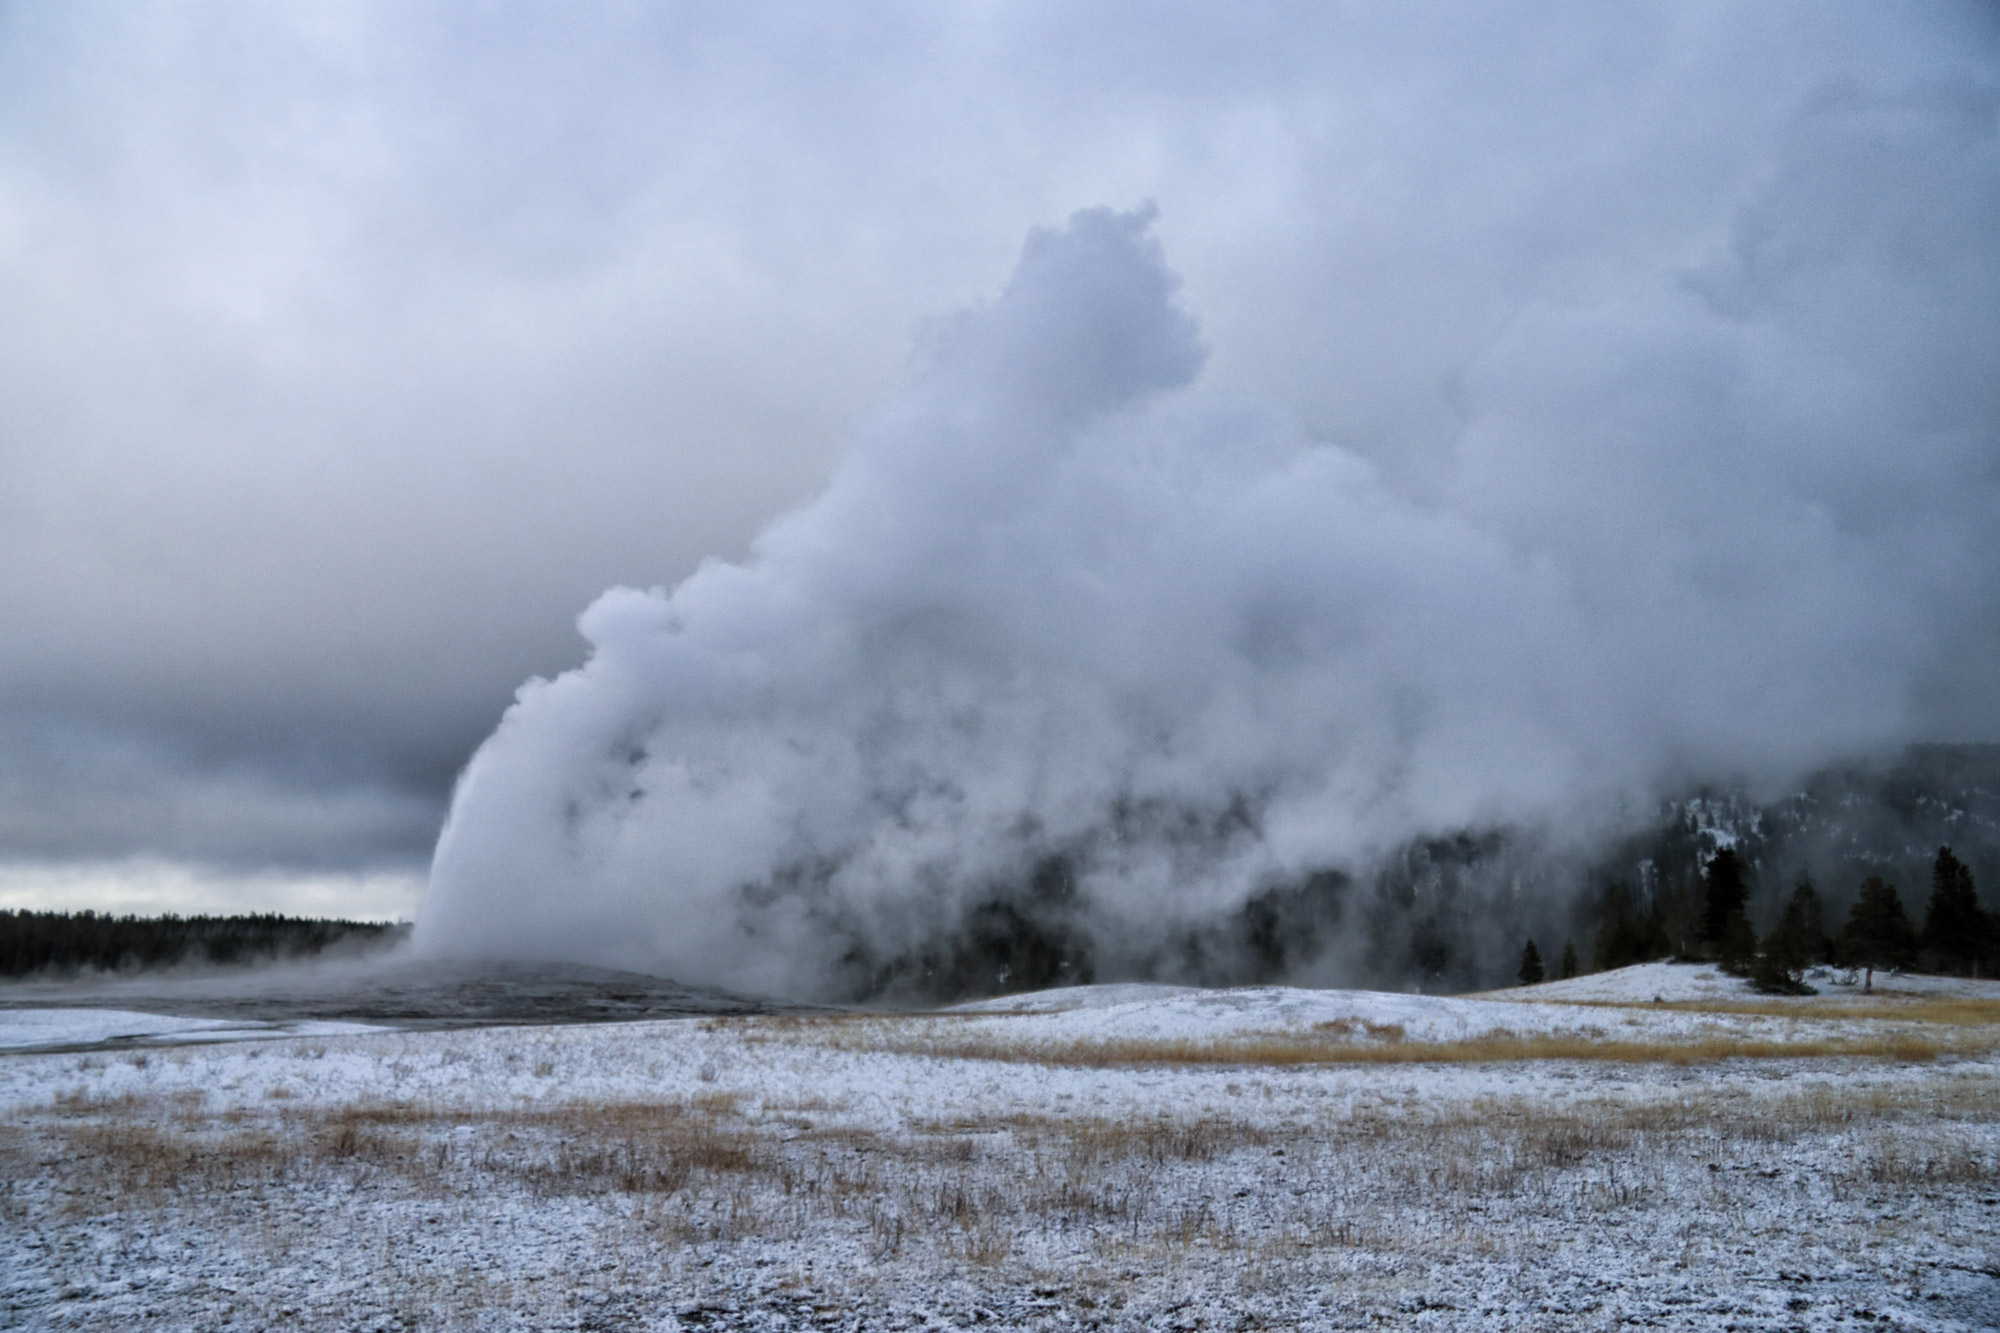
[349, 352]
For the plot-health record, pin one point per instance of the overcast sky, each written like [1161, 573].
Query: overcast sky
[349, 351]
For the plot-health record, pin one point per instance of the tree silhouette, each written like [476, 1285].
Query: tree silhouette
[1738, 947]
[1878, 933]
[1531, 965]
[1955, 929]
[1796, 943]
[1724, 896]
[1568, 968]
[1800, 938]
[1624, 935]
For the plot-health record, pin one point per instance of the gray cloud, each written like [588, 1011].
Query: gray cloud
[346, 353]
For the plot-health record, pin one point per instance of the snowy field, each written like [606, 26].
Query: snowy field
[1649, 1148]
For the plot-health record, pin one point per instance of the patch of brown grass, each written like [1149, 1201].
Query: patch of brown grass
[1948, 1011]
[1289, 1049]
[141, 1150]
[83, 1102]
[135, 1160]
[1157, 1140]
[1350, 1027]
[1973, 1027]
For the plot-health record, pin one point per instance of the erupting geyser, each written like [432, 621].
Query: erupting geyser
[1058, 607]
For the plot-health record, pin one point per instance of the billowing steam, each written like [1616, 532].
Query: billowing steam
[1058, 607]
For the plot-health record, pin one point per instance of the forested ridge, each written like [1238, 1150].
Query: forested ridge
[59, 943]
[1863, 865]
[1859, 868]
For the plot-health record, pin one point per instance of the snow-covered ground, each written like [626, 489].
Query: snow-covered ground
[1115, 1157]
[1674, 983]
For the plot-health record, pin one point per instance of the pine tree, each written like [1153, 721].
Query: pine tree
[1568, 968]
[1878, 933]
[1617, 932]
[1738, 946]
[1793, 945]
[1810, 921]
[1531, 965]
[1955, 929]
[1724, 896]
[1799, 940]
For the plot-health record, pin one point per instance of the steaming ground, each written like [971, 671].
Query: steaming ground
[390, 991]
[1572, 1155]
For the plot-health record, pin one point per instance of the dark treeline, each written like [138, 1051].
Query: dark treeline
[1862, 866]
[36, 943]
[1845, 869]
[1708, 920]
[1711, 921]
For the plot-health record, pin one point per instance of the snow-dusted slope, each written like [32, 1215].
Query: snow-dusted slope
[1166, 1013]
[1618, 1005]
[1681, 983]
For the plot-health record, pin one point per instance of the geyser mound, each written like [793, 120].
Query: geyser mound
[1073, 653]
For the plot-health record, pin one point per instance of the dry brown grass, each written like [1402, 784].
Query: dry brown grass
[140, 1150]
[1942, 1027]
[1318, 1048]
[1156, 1140]
[1351, 1027]
[1948, 1011]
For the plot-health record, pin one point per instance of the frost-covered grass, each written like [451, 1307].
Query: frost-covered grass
[882, 1171]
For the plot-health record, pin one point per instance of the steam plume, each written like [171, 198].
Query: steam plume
[1059, 603]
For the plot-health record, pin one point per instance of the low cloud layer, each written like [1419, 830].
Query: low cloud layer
[348, 350]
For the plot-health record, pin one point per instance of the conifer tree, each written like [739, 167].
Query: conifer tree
[1955, 929]
[1738, 946]
[1878, 933]
[1793, 945]
[1621, 932]
[1810, 921]
[1531, 965]
[1769, 976]
[1724, 896]
[1799, 940]
[1568, 968]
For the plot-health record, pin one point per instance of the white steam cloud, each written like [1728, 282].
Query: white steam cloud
[1058, 601]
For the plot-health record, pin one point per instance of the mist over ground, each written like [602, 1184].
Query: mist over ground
[1631, 366]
